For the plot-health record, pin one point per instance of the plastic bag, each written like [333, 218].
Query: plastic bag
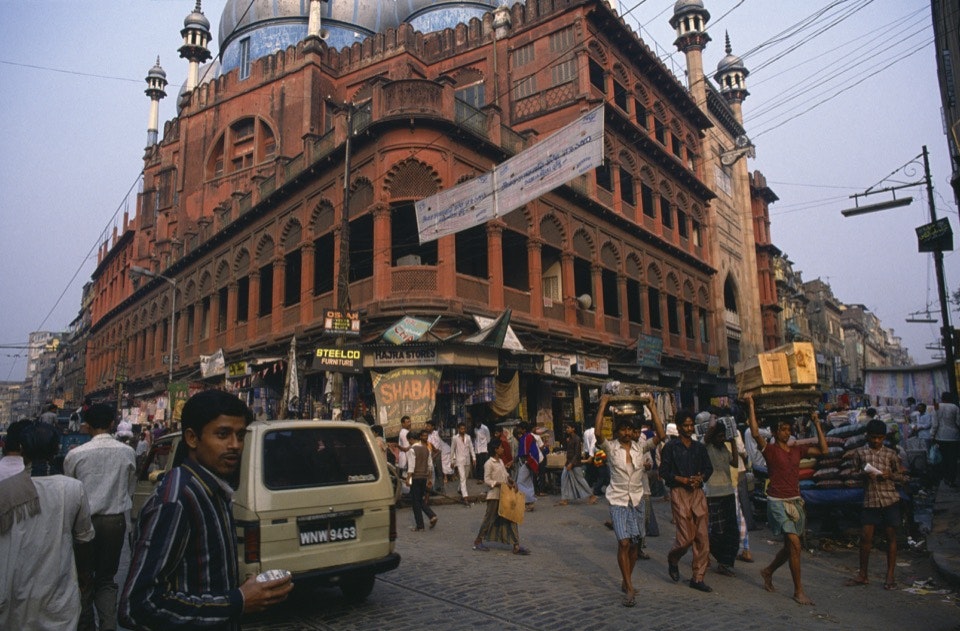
[934, 456]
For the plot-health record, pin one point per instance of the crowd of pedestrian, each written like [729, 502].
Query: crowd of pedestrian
[61, 535]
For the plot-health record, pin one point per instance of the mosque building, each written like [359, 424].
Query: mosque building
[280, 204]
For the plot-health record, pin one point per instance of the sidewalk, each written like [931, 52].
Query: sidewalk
[943, 542]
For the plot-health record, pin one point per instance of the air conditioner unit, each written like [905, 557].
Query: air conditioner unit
[410, 259]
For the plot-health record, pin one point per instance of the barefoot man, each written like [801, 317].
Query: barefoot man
[784, 506]
[625, 491]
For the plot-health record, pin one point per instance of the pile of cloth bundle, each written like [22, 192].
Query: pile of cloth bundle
[831, 470]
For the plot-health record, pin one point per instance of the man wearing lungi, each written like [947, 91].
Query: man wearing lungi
[785, 512]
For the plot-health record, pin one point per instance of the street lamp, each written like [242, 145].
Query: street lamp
[135, 271]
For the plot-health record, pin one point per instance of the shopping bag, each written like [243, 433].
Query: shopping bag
[934, 457]
[512, 504]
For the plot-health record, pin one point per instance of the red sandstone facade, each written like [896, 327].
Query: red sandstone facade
[243, 204]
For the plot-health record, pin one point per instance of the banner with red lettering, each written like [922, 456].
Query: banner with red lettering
[405, 392]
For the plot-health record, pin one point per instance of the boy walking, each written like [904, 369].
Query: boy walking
[881, 469]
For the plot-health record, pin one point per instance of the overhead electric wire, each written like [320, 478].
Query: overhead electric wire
[827, 83]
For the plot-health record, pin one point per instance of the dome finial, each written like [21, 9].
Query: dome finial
[728, 47]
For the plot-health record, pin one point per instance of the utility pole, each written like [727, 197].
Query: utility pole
[946, 329]
[343, 272]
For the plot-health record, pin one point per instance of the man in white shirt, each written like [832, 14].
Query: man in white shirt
[481, 441]
[436, 454]
[463, 459]
[403, 442]
[625, 491]
[108, 470]
[41, 548]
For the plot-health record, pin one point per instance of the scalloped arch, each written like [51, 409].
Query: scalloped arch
[583, 244]
[673, 284]
[411, 179]
[552, 231]
[610, 256]
[264, 250]
[654, 275]
[292, 235]
[241, 262]
[321, 218]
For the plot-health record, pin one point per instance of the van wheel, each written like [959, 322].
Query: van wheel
[357, 589]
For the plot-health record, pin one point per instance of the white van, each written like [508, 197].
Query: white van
[313, 497]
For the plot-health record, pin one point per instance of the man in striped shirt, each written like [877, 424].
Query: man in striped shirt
[184, 572]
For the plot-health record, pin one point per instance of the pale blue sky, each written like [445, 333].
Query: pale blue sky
[73, 117]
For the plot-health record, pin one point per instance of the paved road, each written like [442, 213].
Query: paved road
[571, 582]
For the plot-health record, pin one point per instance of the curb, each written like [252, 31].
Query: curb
[946, 566]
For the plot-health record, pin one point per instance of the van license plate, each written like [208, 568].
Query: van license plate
[317, 532]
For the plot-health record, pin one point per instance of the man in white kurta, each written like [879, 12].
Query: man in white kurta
[38, 575]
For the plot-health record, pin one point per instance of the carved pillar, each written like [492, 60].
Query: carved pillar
[279, 282]
[596, 272]
[253, 304]
[382, 252]
[232, 298]
[535, 277]
[306, 281]
[622, 293]
[566, 281]
[495, 264]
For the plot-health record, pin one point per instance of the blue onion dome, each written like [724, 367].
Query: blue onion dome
[250, 29]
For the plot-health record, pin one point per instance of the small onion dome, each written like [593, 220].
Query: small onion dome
[731, 62]
[157, 72]
[682, 7]
[197, 20]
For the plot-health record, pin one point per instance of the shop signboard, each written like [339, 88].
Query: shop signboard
[387, 357]
[179, 393]
[341, 322]
[935, 236]
[592, 365]
[713, 364]
[558, 365]
[405, 392]
[238, 369]
[347, 359]
[649, 350]
[407, 329]
[212, 365]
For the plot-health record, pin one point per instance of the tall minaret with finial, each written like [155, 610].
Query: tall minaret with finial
[690, 22]
[196, 37]
[732, 77]
[156, 84]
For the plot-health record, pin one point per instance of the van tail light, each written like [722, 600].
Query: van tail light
[251, 542]
[393, 523]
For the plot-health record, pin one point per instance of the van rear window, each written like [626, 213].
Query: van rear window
[314, 457]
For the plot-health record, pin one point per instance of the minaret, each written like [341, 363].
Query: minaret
[732, 75]
[196, 37]
[156, 82]
[690, 21]
[313, 24]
